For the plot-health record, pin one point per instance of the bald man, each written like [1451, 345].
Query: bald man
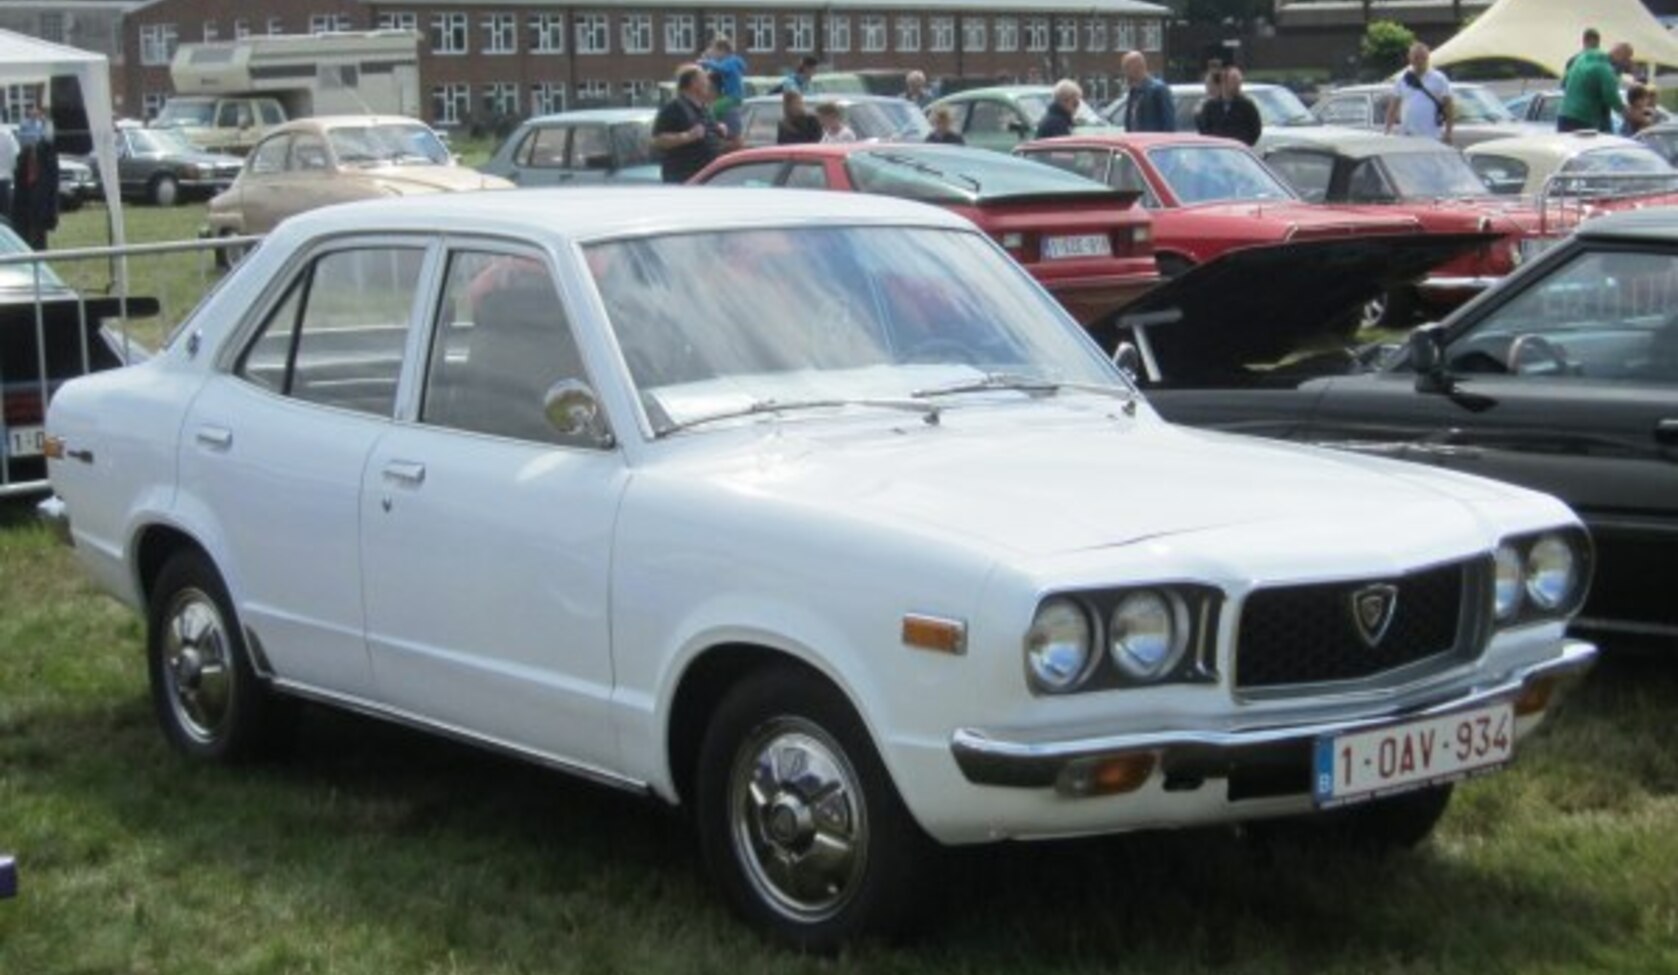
[1421, 103]
[1148, 106]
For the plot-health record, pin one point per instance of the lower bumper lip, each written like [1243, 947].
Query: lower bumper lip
[987, 759]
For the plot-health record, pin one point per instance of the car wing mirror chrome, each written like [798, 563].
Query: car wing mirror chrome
[1129, 360]
[574, 412]
[1427, 358]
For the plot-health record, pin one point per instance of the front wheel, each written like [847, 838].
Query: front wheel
[798, 819]
[165, 191]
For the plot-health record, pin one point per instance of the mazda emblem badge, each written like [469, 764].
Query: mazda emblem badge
[1373, 609]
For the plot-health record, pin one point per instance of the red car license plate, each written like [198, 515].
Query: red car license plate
[1413, 755]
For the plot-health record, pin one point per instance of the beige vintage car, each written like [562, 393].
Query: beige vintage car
[1590, 163]
[315, 162]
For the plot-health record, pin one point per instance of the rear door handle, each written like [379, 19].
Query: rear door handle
[405, 472]
[1666, 431]
[216, 438]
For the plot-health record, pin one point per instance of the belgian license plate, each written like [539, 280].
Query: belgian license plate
[1086, 245]
[25, 441]
[1413, 755]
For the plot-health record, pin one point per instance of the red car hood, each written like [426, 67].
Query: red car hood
[1312, 216]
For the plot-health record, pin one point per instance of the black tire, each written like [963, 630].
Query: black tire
[209, 702]
[165, 190]
[228, 257]
[878, 890]
[1378, 827]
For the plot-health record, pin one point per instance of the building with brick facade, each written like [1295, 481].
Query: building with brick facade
[493, 59]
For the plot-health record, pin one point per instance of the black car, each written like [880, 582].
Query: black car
[1563, 378]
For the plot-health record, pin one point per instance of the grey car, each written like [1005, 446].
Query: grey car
[164, 167]
[606, 145]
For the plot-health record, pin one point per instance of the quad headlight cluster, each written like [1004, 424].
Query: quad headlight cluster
[1538, 577]
[1122, 638]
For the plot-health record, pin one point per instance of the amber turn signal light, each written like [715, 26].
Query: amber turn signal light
[1534, 698]
[1106, 776]
[935, 633]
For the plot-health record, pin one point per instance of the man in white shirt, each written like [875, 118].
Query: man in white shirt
[1421, 103]
[8, 165]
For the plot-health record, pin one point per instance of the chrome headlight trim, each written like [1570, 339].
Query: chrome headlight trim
[1552, 572]
[1148, 634]
[1059, 646]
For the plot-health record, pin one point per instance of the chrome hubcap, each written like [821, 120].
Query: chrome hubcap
[1374, 311]
[800, 826]
[196, 666]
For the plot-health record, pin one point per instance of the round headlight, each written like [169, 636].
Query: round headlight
[1148, 634]
[1058, 646]
[1508, 582]
[1552, 572]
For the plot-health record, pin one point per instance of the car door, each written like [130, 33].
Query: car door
[132, 171]
[1568, 384]
[486, 532]
[590, 157]
[276, 445]
[540, 159]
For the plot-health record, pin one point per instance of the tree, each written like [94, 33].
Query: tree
[1385, 46]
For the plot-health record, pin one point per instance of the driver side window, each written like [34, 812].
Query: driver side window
[1606, 316]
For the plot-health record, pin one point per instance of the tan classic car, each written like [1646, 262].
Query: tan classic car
[315, 162]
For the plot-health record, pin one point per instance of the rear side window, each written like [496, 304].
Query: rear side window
[1308, 172]
[270, 157]
[337, 337]
[544, 148]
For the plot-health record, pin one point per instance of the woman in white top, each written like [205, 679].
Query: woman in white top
[834, 128]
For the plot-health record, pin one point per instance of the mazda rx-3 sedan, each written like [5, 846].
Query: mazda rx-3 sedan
[811, 512]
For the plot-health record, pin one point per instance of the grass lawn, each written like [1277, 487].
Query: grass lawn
[378, 850]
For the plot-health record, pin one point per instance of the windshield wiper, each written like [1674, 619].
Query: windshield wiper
[929, 413]
[1031, 385]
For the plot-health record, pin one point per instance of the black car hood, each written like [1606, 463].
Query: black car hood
[1260, 303]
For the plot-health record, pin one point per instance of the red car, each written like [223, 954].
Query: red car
[1091, 246]
[1207, 196]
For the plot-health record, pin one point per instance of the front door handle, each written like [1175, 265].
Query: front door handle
[1666, 432]
[216, 438]
[406, 472]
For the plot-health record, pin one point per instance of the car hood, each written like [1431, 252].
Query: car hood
[1282, 293]
[444, 179]
[1056, 477]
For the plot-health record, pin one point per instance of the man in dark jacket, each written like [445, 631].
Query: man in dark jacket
[797, 126]
[1232, 115]
[1148, 106]
[685, 135]
[1057, 121]
[35, 182]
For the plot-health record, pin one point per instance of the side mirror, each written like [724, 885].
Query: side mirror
[1129, 360]
[574, 413]
[1427, 357]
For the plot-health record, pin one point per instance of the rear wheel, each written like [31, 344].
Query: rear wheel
[1377, 827]
[799, 822]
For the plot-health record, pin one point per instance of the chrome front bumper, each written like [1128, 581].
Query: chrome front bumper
[987, 759]
[55, 514]
[1445, 288]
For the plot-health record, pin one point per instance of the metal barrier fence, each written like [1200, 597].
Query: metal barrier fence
[59, 320]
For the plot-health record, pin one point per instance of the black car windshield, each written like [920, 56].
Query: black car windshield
[734, 323]
[361, 145]
[952, 175]
[187, 111]
[1209, 174]
[1433, 175]
[1281, 107]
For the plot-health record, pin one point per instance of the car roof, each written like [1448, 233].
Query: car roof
[562, 216]
[1653, 224]
[817, 98]
[321, 123]
[1138, 140]
[1199, 87]
[1002, 91]
[1551, 145]
[606, 115]
[1353, 143]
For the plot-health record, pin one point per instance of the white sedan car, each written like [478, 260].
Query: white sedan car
[810, 512]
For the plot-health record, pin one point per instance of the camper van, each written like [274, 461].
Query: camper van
[228, 94]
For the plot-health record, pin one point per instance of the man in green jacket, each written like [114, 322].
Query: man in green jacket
[1591, 91]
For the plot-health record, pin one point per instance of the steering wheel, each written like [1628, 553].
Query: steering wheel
[1537, 343]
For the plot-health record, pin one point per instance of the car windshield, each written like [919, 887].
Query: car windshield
[1281, 107]
[21, 277]
[1478, 106]
[894, 120]
[1664, 142]
[1433, 175]
[161, 141]
[373, 145]
[945, 175]
[1035, 105]
[1209, 174]
[728, 324]
[187, 111]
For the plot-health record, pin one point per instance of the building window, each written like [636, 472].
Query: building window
[801, 33]
[1037, 34]
[451, 103]
[547, 97]
[501, 98]
[211, 31]
[838, 33]
[593, 91]
[19, 99]
[593, 37]
[908, 34]
[975, 34]
[679, 35]
[760, 33]
[719, 25]
[276, 25]
[448, 34]
[399, 21]
[1095, 35]
[329, 23]
[638, 92]
[1124, 38]
[501, 34]
[158, 43]
[1007, 34]
[943, 33]
[872, 27]
[51, 28]
[151, 103]
[637, 30]
[1152, 35]
[547, 33]
[241, 29]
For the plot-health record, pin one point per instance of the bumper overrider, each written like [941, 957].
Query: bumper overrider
[1091, 765]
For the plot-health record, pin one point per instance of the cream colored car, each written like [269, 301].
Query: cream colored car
[315, 162]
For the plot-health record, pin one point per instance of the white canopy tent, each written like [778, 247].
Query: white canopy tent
[26, 60]
[1545, 33]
